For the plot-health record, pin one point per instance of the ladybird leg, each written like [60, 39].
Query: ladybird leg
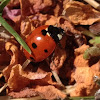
[25, 64]
[59, 44]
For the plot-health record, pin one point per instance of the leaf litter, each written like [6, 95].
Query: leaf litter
[68, 62]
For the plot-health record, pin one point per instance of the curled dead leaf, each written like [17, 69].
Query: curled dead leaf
[58, 59]
[31, 22]
[4, 56]
[27, 92]
[20, 79]
[95, 28]
[35, 6]
[50, 92]
[17, 80]
[84, 74]
[14, 52]
[79, 60]
[84, 82]
[80, 13]
[13, 3]
[63, 22]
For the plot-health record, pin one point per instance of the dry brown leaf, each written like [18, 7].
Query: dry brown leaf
[96, 68]
[79, 13]
[84, 74]
[4, 56]
[51, 20]
[58, 8]
[14, 59]
[20, 79]
[59, 56]
[26, 27]
[81, 49]
[50, 92]
[95, 28]
[17, 80]
[31, 22]
[63, 22]
[13, 3]
[46, 92]
[27, 92]
[13, 50]
[30, 7]
[85, 84]
[79, 60]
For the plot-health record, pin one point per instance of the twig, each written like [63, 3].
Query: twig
[56, 77]
[70, 89]
[93, 3]
[54, 72]
[4, 87]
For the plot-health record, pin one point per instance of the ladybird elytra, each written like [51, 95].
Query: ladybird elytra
[41, 45]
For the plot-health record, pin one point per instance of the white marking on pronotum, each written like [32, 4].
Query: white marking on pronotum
[48, 34]
[46, 29]
[59, 36]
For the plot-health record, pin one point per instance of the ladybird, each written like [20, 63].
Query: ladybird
[42, 42]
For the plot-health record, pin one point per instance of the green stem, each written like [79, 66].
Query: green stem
[3, 4]
[95, 39]
[1, 0]
[15, 34]
[87, 32]
[83, 98]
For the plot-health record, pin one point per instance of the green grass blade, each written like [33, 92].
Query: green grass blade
[15, 34]
[3, 4]
[82, 98]
[1, 0]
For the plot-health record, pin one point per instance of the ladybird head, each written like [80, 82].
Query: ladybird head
[55, 32]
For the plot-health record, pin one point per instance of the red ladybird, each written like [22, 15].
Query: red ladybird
[42, 42]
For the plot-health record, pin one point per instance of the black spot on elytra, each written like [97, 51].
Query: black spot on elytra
[44, 32]
[32, 58]
[45, 50]
[34, 45]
